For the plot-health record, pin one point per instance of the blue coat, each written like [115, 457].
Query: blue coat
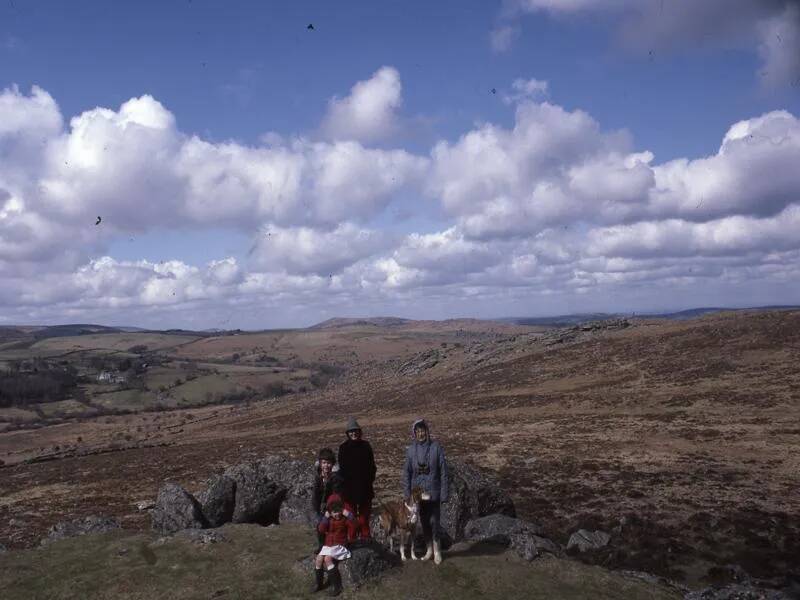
[435, 480]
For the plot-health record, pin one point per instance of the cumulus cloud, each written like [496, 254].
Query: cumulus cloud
[553, 206]
[369, 112]
[770, 26]
[136, 169]
[303, 250]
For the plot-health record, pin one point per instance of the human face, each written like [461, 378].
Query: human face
[337, 514]
[354, 434]
[421, 434]
[325, 466]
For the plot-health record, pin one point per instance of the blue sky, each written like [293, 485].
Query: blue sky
[230, 74]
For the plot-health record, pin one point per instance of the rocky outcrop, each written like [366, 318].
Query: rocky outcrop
[258, 497]
[84, 526]
[176, 509]
[297, 478]
[583, 540]
[218, 500]
[473, 494]
[523, 537]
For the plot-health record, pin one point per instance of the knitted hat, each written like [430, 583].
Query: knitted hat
[352, 424]
[326, 454]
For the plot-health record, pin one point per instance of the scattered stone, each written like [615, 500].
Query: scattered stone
[176, 509]
[584, 540]
[258, 498]
[218, 500]
[84, 526]
[3, 549]
[202, 536]
[521, 536]
[737, 592]
[145, 504]
[473, 494]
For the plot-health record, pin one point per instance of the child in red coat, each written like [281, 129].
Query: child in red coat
[339, 529]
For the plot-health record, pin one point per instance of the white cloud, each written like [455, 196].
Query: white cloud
[526, 89]
[303, 250]
[369, 112]
[772, 27]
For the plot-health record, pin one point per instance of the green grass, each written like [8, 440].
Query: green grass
[258, 562]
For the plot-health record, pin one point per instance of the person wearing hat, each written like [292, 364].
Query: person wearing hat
[426, 467]
[357, 468]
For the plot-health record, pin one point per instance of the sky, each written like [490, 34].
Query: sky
[203, 164]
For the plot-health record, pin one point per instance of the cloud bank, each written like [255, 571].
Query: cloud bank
[535, 216]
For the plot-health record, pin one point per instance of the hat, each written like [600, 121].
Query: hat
[327, 454]
[352, 424]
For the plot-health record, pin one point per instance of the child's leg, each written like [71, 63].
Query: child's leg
[318, 561]
[329, 564]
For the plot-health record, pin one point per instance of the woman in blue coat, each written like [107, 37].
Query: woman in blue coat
[426, 467]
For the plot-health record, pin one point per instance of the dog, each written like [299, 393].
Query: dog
[402, 516]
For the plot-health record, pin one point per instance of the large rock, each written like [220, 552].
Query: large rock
[84, 526]
[583, 540]
[521, 536]
[258, 497]
[369, 560]
[218, 500]
[176, 509]
[473, 494]
[297, 478]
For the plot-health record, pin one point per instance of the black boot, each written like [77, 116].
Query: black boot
[335, 580]
[319, 574]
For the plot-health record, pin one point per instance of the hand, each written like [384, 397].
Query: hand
[347, 514]
[327, 515]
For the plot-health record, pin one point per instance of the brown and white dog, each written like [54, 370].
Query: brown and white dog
[402, 516]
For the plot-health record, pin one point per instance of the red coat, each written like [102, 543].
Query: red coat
[337, 531]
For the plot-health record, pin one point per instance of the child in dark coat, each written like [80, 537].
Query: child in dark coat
[338, 530]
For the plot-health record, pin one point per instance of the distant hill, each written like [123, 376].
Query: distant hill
[338, 322]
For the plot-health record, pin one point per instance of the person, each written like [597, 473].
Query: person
[326, 481]
[338, 532]
[425, 466]
[357, 468]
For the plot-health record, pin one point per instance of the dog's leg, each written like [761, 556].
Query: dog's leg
[437, 552]
[402, 545]
[391, 543]
[413, 536]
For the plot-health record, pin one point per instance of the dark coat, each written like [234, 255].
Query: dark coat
[357, 468]
[321, 493]
[435, 481]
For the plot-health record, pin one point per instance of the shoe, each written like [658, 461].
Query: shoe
[319, 574]
[335, 580]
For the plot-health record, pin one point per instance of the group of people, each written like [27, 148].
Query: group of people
[344, 490]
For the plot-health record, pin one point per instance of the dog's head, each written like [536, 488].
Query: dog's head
[412, 505]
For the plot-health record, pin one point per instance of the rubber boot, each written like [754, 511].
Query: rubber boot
[437, 552]
[335, 580]
[319, 575]
[428, 550]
